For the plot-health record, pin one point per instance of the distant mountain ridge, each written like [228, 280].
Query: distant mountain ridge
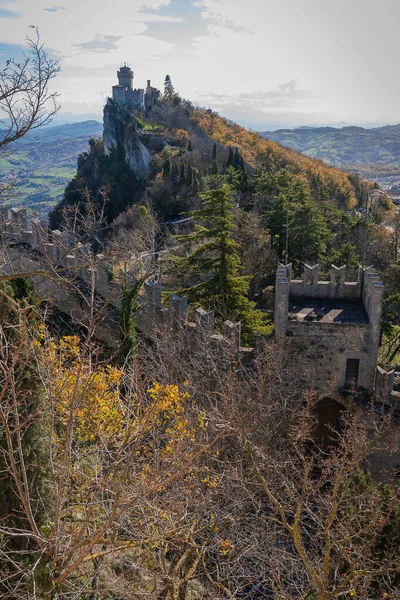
[373, 153]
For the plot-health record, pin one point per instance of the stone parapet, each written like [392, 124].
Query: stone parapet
[337, 286]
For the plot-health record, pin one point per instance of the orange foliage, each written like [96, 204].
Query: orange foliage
[257, 150]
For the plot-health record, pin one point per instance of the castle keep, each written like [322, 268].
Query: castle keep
[125, 95]
[333, 327]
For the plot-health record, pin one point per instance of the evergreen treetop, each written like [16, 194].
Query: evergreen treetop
[215, 264]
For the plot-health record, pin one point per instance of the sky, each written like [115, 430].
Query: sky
[263, 63]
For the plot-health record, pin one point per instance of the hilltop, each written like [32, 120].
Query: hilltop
[44, 161]
[165, 157]
[189, 354]
[184, 137]
[372, 153]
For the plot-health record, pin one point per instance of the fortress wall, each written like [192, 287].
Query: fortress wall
[325, 289]
[323, 349]
[58, 251]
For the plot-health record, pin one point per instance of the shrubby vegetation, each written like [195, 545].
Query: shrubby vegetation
[152, 471]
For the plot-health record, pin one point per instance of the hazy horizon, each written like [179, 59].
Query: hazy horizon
[274, 65]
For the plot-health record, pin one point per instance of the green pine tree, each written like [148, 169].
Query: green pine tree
[216, 263]
[296, 220]
[169, 91]
[232, 177]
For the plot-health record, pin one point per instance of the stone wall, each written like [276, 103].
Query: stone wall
[319, 349]
[327, 345]
[384, 389]
[154, 317]
[326, 348]
[55, 249]
[34, 248]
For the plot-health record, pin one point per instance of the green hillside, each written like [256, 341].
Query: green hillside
[373, 153]
[43, 162]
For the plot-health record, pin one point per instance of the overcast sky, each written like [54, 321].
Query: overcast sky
[261, 62]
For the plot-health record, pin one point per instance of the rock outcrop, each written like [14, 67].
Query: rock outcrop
[120, 132]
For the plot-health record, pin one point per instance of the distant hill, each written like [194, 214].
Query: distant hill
[372, 153]
[43, 162]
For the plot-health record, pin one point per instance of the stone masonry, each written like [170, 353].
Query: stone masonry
[125, 94]
[332, 327]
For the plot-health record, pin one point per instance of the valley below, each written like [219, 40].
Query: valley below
[43, 163]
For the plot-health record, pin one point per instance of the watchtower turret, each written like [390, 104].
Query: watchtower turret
[125, 77]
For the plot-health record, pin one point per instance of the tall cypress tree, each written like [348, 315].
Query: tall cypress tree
[166, 168]
[174, 172]
[236, 158]
[182, 178]
[216, 263]
[230, 157]
[189, 174]
[169, 91]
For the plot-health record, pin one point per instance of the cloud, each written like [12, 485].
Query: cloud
[54, 9]
[218, 22]
[285, 96]
[105, 43]
[222, 52]
[178, 22]
[155, 18]
[8, 14]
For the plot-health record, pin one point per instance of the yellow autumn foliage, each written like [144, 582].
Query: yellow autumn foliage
[254, 147]
[88, 398]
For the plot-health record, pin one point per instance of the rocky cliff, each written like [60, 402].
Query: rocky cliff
[120, 132]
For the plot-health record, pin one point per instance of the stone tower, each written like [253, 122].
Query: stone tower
[333, 326]
[125, 95]
[125, 77]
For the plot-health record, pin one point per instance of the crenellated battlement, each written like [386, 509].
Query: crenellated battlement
[154, 317]
[333, 326]
[96, 271]
[367, 289]
[57, 248]
[312, 286]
